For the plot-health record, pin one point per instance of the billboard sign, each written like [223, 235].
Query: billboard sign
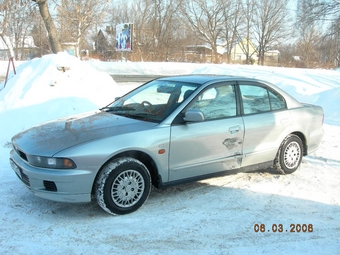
[124, 34]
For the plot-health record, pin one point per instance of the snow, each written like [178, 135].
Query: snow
[214, 216]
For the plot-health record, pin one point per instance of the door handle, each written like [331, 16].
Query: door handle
[234, 129]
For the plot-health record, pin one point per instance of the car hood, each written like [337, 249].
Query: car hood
[51, 137]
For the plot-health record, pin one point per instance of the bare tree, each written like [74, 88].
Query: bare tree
[308, 46]
[323, 10]
[142, 11]
[156, 27]
[40, 38]
[165, 25]
[206, 18]
[233, 18]
[331, 44]
[309, 35]
[78, 16]
[17, 21]
[49, 24]
[5, 10]
[335, 39]
[287, 55]
[326, 12]
[248, 10]
[150, 29]
[270, 23]
[20, 26]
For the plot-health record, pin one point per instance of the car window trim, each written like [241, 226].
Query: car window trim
[258, 84]
[178, 120]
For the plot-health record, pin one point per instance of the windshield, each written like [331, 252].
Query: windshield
[153, 101]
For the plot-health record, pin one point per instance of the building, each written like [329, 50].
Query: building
[241, 48]
[24, 49]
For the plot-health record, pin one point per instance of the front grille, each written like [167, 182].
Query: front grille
[50, 186]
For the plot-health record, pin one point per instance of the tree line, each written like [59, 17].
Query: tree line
[305, 32]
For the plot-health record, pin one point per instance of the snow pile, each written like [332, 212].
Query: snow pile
[51, 87]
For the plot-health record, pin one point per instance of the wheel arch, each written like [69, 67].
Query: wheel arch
[142, 157]
[304, 141]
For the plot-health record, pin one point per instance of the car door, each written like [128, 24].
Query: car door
[267, 121]
[212, 145]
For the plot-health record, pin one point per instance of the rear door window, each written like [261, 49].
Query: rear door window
[258, 99]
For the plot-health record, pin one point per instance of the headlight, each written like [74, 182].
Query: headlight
[57, 163]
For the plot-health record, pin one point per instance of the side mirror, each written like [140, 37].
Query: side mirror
[194, 115]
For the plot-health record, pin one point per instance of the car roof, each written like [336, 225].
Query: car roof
[211, 78]
[200, 78]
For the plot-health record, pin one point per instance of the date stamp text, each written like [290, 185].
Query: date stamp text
[280, 228]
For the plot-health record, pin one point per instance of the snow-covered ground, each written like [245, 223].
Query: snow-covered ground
[215, 216]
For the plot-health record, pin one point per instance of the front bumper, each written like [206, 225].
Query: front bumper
[71, 185]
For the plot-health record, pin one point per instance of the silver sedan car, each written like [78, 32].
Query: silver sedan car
[168, 131]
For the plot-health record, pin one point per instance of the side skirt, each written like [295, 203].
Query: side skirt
[252, 168]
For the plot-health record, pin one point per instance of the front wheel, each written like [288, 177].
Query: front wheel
[122, 186]
[289, 156]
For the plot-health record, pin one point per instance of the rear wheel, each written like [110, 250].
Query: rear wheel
[289, 156]
[123, 186]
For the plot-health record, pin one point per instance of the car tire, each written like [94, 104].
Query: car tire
[289, 156]
[122, 186]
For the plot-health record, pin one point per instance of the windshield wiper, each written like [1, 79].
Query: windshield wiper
[145, 114]
[116, 108]
[139, 115]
